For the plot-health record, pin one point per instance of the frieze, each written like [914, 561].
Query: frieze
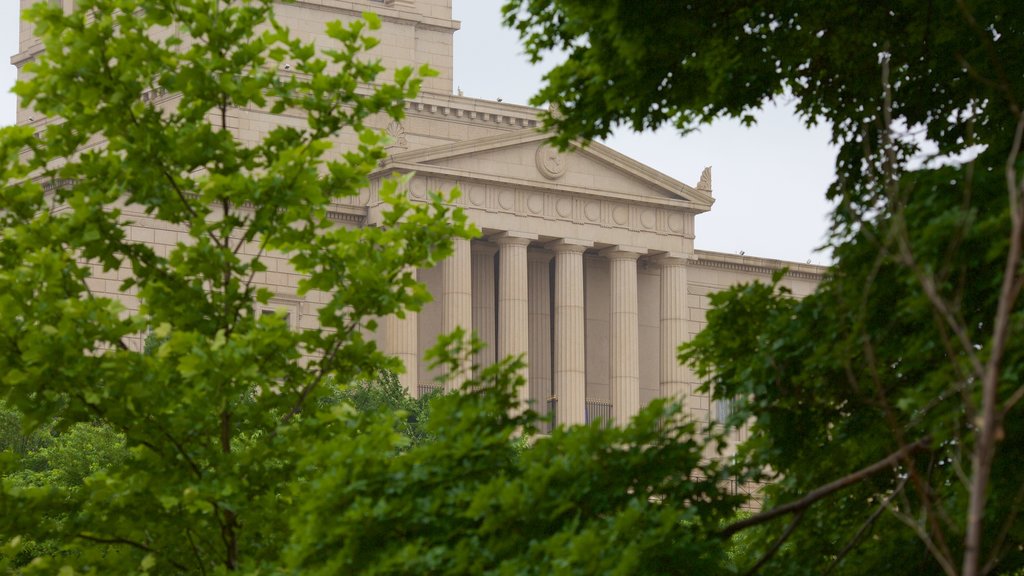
[558, 207]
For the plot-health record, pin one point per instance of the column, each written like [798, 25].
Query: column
[624, 365]
[674, 329]
[513, 312]
[401, 341]
[570, 325]
[483, 303]
[456, 302]
[538, 278]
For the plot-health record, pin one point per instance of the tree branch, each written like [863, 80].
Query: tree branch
[777, 544]
[826, 490]
[998, 547]
[985, 445]
[195, 551]
[305, 391]
[127, 542]
[945, 563]
[864, 527]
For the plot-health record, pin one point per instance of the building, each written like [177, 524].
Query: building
[586, 263]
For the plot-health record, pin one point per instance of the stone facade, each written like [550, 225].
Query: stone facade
[586, 262]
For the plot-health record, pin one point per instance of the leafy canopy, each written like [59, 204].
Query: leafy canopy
[909, 355]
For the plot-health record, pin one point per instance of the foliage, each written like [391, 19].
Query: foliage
[15, 440]
[48, 459]
[586, 500]
[909, 354]
[217, 419]
[182, 430]
[385, 394]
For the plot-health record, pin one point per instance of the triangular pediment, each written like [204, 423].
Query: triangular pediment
[524, 158]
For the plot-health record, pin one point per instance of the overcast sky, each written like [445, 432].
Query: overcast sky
[769, 180]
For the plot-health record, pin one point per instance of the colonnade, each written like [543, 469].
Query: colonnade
[514, 309]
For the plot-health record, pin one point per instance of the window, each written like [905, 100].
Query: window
[724, 409]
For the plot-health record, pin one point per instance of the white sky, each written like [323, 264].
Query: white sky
[769, 180]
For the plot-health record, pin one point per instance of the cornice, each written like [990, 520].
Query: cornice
[432, 106]
[354, 215]
[765, 266]
[24, 56]
[393, 12]
[568, 190]
[421, 159]
[460, 108]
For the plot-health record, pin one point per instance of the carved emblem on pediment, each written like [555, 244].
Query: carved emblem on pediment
[396, 132]
[551, 163]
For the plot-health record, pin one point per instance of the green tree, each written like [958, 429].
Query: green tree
[892, 390]
[584, 500]
[218, 418]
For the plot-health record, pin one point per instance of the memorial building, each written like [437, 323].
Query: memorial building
[586, 263]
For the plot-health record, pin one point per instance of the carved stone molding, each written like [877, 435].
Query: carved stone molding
[396, 132]
[705, 180]
[153, 94]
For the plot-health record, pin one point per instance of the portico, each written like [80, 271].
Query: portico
[581, 269]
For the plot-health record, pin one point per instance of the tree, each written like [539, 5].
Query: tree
[892, 390]
[216, 421]
[194, 433]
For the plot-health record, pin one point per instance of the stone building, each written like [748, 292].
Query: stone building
[586, 261]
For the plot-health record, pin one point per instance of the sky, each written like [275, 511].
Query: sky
[769, 180]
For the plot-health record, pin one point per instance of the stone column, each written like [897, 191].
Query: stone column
[539, 281]
[674, 329]
[513, 311]
[624, 366]
[401, 340]
[570, 324]
[483, 303]
[456, 301]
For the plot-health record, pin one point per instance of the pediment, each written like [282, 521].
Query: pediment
[523, 158]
